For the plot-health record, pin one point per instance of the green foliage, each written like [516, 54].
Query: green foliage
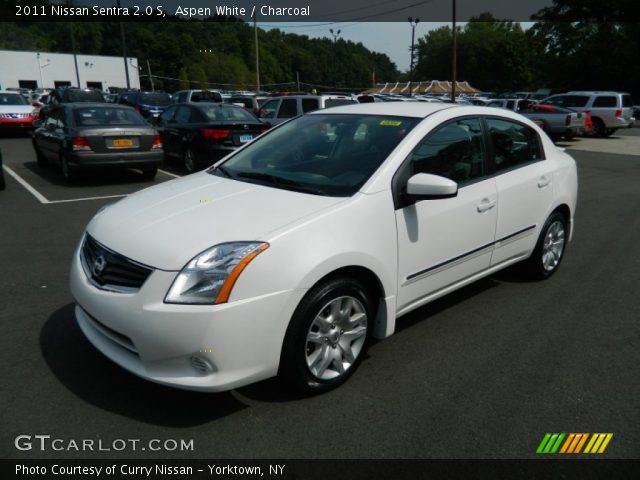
[218, 51]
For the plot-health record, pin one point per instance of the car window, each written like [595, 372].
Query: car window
[268, 109]
[224, 114]
[206, 96]
[603, 102]
[454, 151]
[510, 104]
[335, 102]
[84, 117]
[183, 115]
[288, 108]
[568, 101]
[513, 144]
[309, 104]
[495, 104]
[72, 95]
[325, 154]
[155, 98]
[12, 99]
[167, 115]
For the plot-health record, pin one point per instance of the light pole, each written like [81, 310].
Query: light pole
[40, 67]
[453, 56]
[335, 34]
[124, 50]
[255, 35]
[413, 24]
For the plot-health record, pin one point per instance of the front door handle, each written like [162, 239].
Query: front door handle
[543, 181]
[485, 205]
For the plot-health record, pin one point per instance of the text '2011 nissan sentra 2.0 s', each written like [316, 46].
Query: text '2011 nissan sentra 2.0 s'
[290, 254]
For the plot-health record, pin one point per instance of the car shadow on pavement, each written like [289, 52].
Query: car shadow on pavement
[88, 178]
[95, 379]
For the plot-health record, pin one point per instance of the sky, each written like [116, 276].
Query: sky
[392, 38]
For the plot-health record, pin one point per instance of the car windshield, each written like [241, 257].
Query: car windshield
[155, 98]
[322, 154]
[218, 113]
[335, 102]
[206, 96]
[85, 117]
[12, 99]
[82, 96]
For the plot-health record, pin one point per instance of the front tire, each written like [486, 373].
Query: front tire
[549, 251]
[327, 336]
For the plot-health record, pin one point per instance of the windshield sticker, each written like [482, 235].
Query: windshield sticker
[391, 123]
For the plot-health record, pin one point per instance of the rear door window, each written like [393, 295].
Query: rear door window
[513, 144]
[309, 105]
[288, 108]
[605, 102]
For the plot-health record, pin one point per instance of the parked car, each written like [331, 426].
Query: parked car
[250, 102]
[148, 104]
[609, 110]
[198, 134]
[15, 112]
[292, 253]
[69, 95]
[280, 109]
[186, 96]
[92, 135]
[557, 121]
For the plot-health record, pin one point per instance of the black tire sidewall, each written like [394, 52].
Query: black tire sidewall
[293, 366]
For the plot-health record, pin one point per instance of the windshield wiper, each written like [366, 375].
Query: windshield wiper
[285, 182]
[222, 170]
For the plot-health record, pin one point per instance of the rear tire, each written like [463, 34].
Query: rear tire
[40, 158]
[149, 173]
[598, 129]
[549, 251]
[189, 160]
[328, 336]
[68, 173]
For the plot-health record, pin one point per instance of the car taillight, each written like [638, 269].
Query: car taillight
[137, 107]
[263, 129]
[567, 121]
[157, 142]
[211, 133]
[618, 113]
[80, 144]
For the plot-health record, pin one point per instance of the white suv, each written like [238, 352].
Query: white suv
[609, 110]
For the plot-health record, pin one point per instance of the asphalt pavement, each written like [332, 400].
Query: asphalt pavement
[482, 373]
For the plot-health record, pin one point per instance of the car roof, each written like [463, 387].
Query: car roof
[95, 105]
[404, 109]
[11, 92]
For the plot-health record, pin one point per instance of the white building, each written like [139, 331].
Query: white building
[49, 70]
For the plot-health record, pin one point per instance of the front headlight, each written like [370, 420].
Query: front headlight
[209, 277]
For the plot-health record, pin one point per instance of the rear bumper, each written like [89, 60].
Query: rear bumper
[124, 160]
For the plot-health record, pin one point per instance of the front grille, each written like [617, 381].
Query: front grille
[15, 115]
[109, 270]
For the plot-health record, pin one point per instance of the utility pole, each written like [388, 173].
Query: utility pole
[255, 34]
[150, 76]
[298, 79]
[453, 56]
[75, 57]
[124, 50]
[413, 24]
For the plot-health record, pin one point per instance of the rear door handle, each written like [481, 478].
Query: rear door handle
[485, 205]
[543, 181]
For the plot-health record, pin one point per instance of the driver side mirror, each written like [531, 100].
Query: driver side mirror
[424, 186]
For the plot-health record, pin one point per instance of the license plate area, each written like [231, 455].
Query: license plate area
[246, 137]
[120, 142]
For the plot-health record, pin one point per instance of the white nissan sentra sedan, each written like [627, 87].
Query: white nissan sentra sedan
[290, 254]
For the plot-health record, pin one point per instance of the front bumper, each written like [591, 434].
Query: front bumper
[169, 344]
[16, 123]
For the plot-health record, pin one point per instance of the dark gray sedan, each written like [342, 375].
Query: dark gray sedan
[87, 135]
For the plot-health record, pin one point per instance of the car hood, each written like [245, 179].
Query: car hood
[167, 225]
[16, 109]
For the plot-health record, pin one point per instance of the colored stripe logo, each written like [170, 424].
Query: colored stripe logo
[574, 443]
